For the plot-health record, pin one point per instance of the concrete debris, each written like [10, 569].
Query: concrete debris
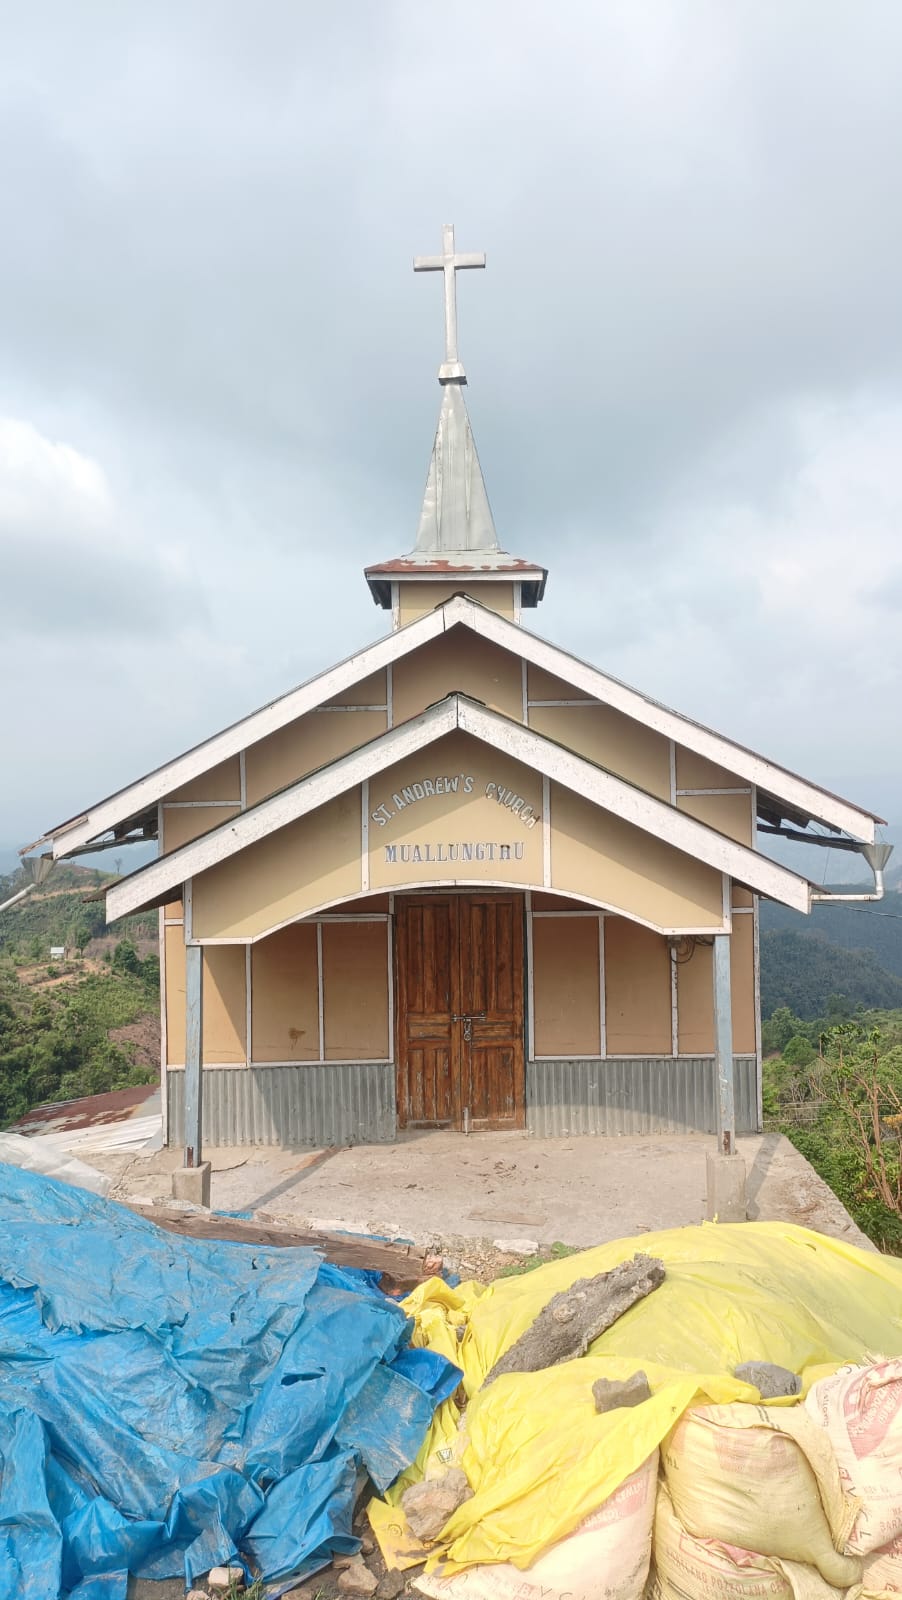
[428, 1505]
[570, 1322]
[340, 1563]
[391, 1585]
[357, 1579]
[367, 1545]
[197, 1594]
[611, 1395]
[772, 1382]
[517, 1247]
[225, 1578]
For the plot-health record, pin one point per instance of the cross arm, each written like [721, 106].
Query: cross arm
[439, 263]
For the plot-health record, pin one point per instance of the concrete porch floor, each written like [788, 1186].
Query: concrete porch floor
[444, 1189]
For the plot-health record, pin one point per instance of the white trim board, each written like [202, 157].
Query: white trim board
[67, 837]
[523, 744]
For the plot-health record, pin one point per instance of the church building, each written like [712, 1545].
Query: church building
[461, 879]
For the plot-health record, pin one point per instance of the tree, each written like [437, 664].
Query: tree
[777, 1031]
[126, 958]
[799, 1052]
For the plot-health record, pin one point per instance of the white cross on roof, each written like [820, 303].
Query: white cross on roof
[451, 370]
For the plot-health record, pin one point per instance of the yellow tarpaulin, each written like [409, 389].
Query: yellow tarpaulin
[538, 1457]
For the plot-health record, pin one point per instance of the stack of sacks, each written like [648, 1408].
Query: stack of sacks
[798, 1503]
[748, 1491]
[860, 1411]
[799, 1499]
[606, 1558]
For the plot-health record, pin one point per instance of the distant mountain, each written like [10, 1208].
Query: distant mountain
[876, 927]
[802, 971]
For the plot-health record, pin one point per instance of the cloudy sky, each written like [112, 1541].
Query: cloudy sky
[217, 369]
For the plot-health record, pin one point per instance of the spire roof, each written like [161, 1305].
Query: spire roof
[456, 530]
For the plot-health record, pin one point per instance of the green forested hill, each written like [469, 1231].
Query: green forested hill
[802, 971]
[84, 1025]
[63, 912]
[876, 927]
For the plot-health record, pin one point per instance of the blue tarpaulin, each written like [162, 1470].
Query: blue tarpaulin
[169, 1404]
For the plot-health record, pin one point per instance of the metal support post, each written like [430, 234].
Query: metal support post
[194, 1080]
[723, 1046]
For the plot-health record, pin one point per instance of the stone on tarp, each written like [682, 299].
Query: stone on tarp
[771, 1381]
[428, 1505]
[610, 1394]
[573, 1319]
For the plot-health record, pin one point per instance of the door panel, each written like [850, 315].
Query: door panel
[460, 986]
[427, 981]
[492, 1061]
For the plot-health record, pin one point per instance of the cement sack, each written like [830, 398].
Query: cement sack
[882, 1574]
[606, 1558]
[860, 1409]
[685, 1568]
[34, 1155]
[762, 1478]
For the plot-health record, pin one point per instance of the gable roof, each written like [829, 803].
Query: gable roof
[805, 800]
[677, 828]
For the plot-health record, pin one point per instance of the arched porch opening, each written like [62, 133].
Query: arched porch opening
[471, 1006]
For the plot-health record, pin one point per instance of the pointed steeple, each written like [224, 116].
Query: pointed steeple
[456, 538]
[456, 516]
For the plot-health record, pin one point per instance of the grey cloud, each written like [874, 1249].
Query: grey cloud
[692, 221]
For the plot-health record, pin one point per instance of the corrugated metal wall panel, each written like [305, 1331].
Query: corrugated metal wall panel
[655, 1094]
[340, 1104]
[335, 1104]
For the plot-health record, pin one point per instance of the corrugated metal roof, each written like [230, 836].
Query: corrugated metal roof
[122, 1119]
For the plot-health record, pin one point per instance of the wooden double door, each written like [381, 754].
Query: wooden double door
[460, 1023]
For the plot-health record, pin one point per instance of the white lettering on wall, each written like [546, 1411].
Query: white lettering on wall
[459, 783]
[397, 855]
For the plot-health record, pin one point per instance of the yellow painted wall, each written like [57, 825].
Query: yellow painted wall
[434, 823]
[566, 985]
[415, 599]
[305, 745]
[369, 691]
[355, 991]
[637, 990]
[542, 685]
[285, 996]
[306, 864]
[610, 740]
[695, 994]
[220, 783]
[696, 772]
[174, 947]
[458, 662]
[726, 813]
[285, 993]
[224, 1004]
[595, 854]
[181, 824]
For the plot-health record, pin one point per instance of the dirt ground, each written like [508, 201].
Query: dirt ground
[461, 1195]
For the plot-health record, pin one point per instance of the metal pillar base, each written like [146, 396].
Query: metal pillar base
[192, 1183]
[726, 1184]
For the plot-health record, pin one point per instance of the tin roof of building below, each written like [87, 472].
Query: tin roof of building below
[118, 1119]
